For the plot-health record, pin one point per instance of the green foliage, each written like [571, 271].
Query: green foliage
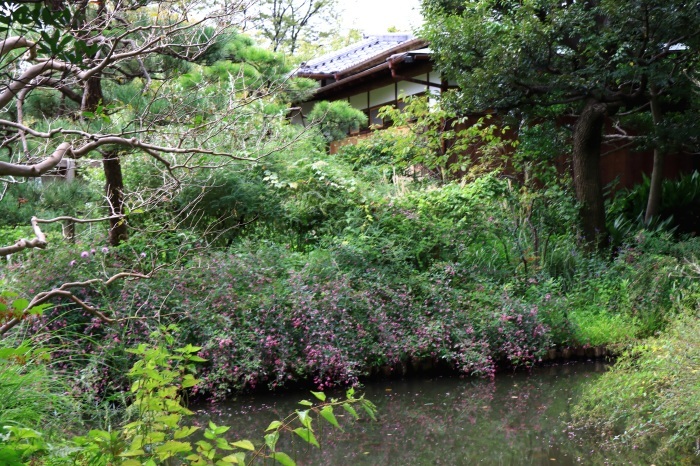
[539, 53]
[538, 147]
[678, 211]
[46, 200]
[336, 119]
[38, 418]
[510, 229]
[430, 134]
[650, 396]
[30, 395]
[536, 60]
[36, 409]
[17, 205]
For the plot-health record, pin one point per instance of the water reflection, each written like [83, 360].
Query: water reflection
[518, 419]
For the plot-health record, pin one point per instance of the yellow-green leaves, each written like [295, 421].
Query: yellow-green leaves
[160, 432]
[327, 413]
[244, 444]
[283, 459]
[307, 435]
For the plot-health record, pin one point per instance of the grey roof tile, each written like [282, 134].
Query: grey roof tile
[354, 54]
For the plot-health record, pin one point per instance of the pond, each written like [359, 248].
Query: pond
[517, 419]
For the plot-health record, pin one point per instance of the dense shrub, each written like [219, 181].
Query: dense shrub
[336, 119]
[340, 279]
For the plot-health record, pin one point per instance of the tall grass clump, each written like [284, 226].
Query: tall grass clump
[33, 394]
[650, 397]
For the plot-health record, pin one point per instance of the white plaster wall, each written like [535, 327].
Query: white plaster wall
[359, 101]
[408, 88]
[434, 77]
[382, 95]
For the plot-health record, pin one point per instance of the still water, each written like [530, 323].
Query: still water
[518, 419]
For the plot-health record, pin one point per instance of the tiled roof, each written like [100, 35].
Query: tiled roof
[354, 54]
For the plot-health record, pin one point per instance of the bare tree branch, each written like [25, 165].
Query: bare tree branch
[13, 43]
[39, 241]
[64, 291]
[38, 169]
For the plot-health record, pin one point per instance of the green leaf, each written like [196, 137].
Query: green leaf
[244, 444]
[38, 310]
[170, 420]
[304, 418]
[236, 458]
[222, 444]
[189, 349]
[306, 403]
[320, 395]
[171, 448]
[221, 429]
[204, 445]
[20, 304]
[327, 414]
[282, 458]
[369, 410]
[350, 410]
[271, 440]
[273, 425]
[189, 381]
[307, 436]
[138, 452]
[184, 432]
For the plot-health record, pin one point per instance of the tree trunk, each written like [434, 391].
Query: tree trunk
[92, 94]
[586, 163]
[114, 181]
[68, 229]
[114, 189]
[657, 172]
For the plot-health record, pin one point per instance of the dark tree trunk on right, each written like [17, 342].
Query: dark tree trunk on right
[657, 172]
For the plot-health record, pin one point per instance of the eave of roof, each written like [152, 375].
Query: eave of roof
[358, 57]
[383, 69]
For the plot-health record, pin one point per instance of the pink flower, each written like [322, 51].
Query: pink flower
[105, 250]
[84, 254]
[72, 263]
